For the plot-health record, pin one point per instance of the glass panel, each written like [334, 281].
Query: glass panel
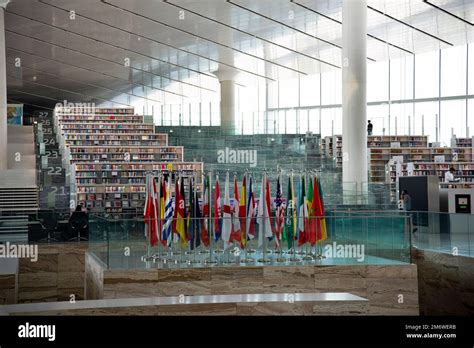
[309, 90]
[378, 116]
[288, 93]
[453, 71]
[377, 81]
[401, 78]
[453, 120]
[426, 75]
[331, 87]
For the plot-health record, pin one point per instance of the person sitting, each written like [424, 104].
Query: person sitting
[79, 224]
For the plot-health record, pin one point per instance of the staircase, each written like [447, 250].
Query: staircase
[54, 193]
[14, 228]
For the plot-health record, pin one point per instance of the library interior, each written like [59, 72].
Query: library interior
[237, 157]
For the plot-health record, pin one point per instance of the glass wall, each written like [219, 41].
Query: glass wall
[422, 94]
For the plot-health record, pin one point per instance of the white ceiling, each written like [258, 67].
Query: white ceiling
[175, 45]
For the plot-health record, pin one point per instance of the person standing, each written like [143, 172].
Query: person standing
[449, 175]
[370, 126]
[406, 206]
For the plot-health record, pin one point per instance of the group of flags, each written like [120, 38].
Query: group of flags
[171, 218]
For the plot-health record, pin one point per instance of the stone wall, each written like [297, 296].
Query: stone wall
[58, 274]
[8, 281]
[391, 290]
[446, 283]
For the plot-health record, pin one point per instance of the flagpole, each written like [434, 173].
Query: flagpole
[281, 224]
[293, 240]
[247, 259]
[262, 230]
[210, 223]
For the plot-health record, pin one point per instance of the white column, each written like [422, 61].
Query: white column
[354, 95]
[3, 89]
[228, 104]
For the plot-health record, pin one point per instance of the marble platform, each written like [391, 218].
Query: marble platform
[238, 304]
[389, 289]
[446, 283]
[8, 281]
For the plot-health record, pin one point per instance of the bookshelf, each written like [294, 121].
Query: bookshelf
[381, 157]
[112, 186]
[397, 140]
[323, 146]
[108, 152]
[337, 150]
[329, 146]
[464, 171]
[462, 142]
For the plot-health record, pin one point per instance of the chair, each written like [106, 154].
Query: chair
[79, 226]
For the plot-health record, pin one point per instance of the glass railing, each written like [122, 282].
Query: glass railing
[435, 231]
[351, 239]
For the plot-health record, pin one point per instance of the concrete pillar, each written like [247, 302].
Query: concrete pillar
[228, 106]
[354, 96]
[3, 89]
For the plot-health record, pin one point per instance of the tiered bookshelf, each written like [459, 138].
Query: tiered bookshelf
[397, 140]
[380, 157]
[126, 153]
[108, 152]
[337, 150]
[462, 142]
[115, 139]
[464, 171]
[329, 147]
[113, 186]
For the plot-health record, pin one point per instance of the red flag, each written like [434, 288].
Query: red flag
[217, 210]
[242, 215]
[236, 228]
[150, 212]
[176, 205]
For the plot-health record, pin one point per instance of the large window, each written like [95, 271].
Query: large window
[331, 87]
[377, 81]
[427, 75]
[453, 71]
[401, 78]
[309, 90]
[427, 112]
[453, 120]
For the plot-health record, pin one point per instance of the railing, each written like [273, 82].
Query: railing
[351, 239]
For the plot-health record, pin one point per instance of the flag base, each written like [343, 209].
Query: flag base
[251, 251]
[147, 258]
[264, 260]
[278, 252]
[204, 251]
[247, 260]
[188, 252]
[294, 259]
[219, 251]
[207, 262]
[281, 259]
[307, 258]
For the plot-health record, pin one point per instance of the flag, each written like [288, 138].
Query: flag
[280, 213]
[175, 210]
[250, 223]
[162, 209]
[265, 228]
[217, 211]
[190, 213]
[290, 219]
[150, 211]
[156, 212]
[322, 233]
[168, 215]
[242, 214]
[205, 210]
[194, 225]
[312, 223]
[236, 230]
[226, 215]
[302, 214]
[180, 220]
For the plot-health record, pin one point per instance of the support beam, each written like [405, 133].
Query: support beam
[354, 99]
[3, 89]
